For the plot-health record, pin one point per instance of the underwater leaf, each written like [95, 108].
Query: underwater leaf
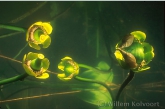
[103, 66]
[95, 97]
[139, 35]
[103, 77]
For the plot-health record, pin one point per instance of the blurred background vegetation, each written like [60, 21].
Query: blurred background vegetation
[78, 29]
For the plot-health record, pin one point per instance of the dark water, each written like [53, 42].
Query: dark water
[78, 30]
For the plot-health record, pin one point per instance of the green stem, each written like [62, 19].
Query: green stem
[13, 28]
[86, 66]
[91, 68]
[94, 81]
[20, 51]
[13, 79]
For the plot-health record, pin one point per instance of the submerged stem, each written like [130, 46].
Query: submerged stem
[124, 84]
[13, 79]
[13, 28]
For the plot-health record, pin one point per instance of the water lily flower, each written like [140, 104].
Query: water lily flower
[38, 34]
[69, 68]
[133, 53]
[36, 65]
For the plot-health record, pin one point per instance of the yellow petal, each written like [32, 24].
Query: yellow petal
[35, 46]
[40, 56]
[67, 57]
[43, 38]
[47, 27]
[44, 76]
[37, 23]
[24, 58]
[28, 71]
[118, 55]
[47, 42]
[65, 79]
[61, 75]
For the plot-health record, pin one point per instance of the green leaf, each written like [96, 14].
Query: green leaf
[103, 66]
[103, 77]
[96, 97]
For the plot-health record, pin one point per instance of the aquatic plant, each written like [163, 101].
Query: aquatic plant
[36, 65]
[134, 54]
[38, 34]
[99, 75]
[69, 67]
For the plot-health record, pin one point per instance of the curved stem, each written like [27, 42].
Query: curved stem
[13, 79]
[94, 81]
[86, 66]
[10, 34]
[91, 68]
[124, 84]
[20, 51]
